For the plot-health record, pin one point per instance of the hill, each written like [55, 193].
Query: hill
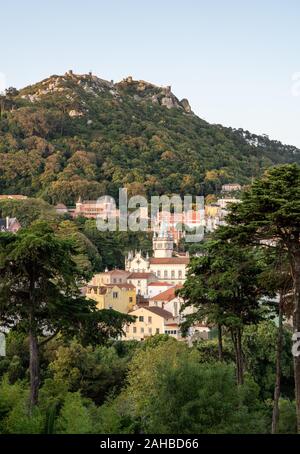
[79, 135]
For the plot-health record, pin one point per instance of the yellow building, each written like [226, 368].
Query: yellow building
[212, 210]
[150, 321]
[110, 277]
[120, 297]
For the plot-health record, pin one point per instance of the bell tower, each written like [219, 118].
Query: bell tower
[163, 244]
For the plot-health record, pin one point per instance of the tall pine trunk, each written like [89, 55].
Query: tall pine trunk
[33, 370]
[236, 335]
[277, 390]
[296, 329]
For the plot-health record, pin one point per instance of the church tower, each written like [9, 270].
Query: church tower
[163, 244]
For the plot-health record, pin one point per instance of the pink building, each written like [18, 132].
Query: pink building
[94, 208]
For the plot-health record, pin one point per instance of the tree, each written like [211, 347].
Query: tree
[223, 287]
[270, 213]
[170, 392]
[39, 293]
[278, 279]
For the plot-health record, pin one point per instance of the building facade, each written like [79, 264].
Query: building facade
[166, 266]
[150, 321]
[119, 297]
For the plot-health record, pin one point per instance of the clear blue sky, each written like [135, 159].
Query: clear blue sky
[233, 60]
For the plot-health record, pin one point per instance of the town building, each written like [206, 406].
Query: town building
[166, 266]
[171, 302]
[177, 222]
[103, 208]
[150, 321]
[231, 187]
[154, 288]
[225, 202]
[115, 276]
[215, 214]
[141, 281]
[119, 297]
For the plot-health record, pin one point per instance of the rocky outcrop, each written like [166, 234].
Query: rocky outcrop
[140, 90]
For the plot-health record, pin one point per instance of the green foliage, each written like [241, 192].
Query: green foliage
[28, 210]
[287, 417]
[74, 417]
[170, 392]
[14, 416]
[124, 140]
[96, 372]
[112, 247]
[259, 348]
[208, 351]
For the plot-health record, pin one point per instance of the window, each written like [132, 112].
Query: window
[127, 329]
[150, 330]
[157, 331]
[149, 319]
[166, 273]
[114, 280]
[141, 318]
[115, 295]
[172, 274]
[139, 283]
[142, 330]
[180, 274]
[158, 273]
[134, 329]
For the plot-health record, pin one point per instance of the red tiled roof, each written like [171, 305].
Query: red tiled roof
[159, 311]
[167, 295]
[120, 285]
[117, 271]
[169, 261]
[141, 275]
[158, 284]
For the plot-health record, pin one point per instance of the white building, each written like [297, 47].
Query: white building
[155, 288]
[141, 281]
[164, 264]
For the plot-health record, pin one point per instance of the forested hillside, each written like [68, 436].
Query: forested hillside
[78, 135]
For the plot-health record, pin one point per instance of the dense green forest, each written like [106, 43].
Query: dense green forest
[67, 370]
[71, 136]
[160, 386]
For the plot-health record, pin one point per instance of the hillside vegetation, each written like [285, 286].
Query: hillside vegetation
[78, 135]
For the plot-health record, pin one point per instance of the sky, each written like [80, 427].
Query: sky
[236, 61]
